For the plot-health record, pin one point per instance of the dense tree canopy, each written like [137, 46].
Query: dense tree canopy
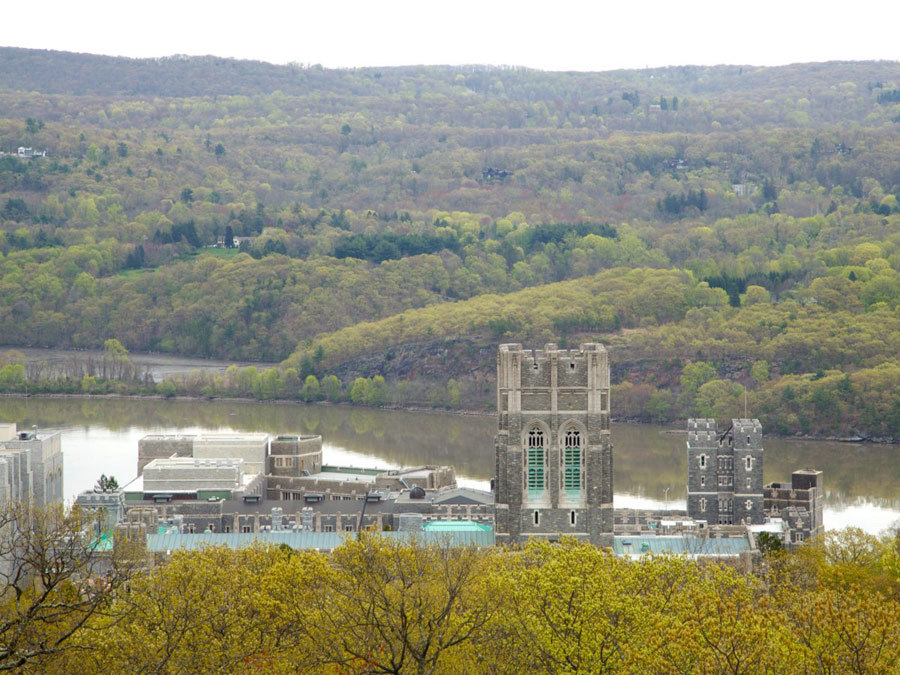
[377, 605]
[756, 220]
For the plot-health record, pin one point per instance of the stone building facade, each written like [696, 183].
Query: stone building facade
[253, 448]
[294, 456]
[163, 446]
[553, 447]
[31, 466]
[105, 509]
[725, 472]
[315, 512]
[799, 503]
[354, 483]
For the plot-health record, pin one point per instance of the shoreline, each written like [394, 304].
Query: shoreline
[415, 409]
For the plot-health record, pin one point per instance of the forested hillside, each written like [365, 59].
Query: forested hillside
[724, 229]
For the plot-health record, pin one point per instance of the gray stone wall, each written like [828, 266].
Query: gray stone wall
[724, 472]
[294, 455]
[106, 508]
[162, 447]
[189, 475]
[804, 494]
[298, 486]
[32, 469]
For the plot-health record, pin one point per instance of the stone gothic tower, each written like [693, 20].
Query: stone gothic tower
[553, 449]
[725, 472]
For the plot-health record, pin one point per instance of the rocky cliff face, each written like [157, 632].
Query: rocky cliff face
[437, 360]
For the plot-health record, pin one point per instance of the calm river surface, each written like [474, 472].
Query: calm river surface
[100, 436]
[158, 365]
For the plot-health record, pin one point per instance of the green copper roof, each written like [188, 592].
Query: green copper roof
[165, 542]
[103, 543]
[455, 526]
[687, 545]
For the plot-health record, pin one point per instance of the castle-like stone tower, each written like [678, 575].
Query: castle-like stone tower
[725, 472]
[553, 449]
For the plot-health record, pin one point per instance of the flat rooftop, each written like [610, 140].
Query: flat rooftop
[194, 462]
[38, 436]
[301, 540]
[234, 438]
[624, 545]
[331, 468]
[345, 476]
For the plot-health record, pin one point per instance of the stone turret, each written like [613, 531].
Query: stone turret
[725, 469]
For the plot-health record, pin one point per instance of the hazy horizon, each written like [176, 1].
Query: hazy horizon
[571, 37]
[451, 65]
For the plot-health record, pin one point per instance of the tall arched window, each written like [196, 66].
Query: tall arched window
[572, 473]
[534, 477]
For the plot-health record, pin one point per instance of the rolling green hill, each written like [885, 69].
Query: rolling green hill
[737, 222]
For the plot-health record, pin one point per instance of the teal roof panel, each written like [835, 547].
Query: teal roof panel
[682, 545]
[173, 541]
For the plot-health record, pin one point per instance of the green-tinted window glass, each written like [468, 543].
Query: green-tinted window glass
[572, 461]
[535, 458]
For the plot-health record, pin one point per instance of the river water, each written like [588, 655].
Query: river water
[99, 435]
[158, 365]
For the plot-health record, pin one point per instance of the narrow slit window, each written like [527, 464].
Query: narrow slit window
[537, 517]
[572, 518]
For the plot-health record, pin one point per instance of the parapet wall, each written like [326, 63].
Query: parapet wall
[163, 447]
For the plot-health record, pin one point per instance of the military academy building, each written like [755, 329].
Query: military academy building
[553, 449]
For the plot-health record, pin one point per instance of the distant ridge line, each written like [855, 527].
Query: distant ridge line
[178, 75]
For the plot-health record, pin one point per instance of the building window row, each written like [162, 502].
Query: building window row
[536, 461]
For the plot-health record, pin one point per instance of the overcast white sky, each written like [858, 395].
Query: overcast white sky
[554, 35]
